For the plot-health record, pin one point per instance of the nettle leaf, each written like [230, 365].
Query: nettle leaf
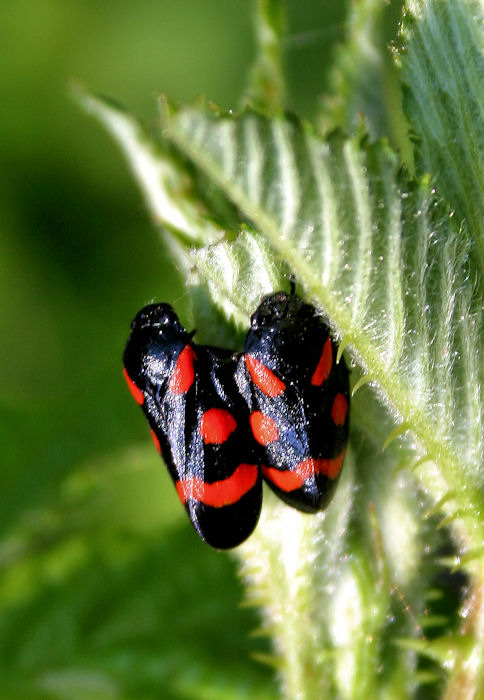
[267, 85]
[335, 587]
[441, 54]
[389, 264]
[380, 254]
[359, 80]
[238, 273]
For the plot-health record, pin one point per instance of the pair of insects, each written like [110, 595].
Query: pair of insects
[223, 423]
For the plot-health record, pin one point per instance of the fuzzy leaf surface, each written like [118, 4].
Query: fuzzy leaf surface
[442, 60]
[383, 257]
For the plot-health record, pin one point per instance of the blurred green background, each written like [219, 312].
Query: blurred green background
[105, 590]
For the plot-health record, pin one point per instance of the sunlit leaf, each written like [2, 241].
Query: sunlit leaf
[382, 256]
[442, 61]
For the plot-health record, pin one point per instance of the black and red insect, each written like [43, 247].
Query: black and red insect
[298, 398]
[199, 423]
[279, 410]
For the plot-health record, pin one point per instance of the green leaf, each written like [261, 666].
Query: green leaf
[362, 81]
[389, 264]
[442, 63]
[244, 269]
[380, 254]
[335, 588]
[267, 86]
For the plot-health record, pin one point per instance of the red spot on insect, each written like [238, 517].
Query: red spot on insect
[154, 437]
[263, 377]
[137, 393]
[325, 362]
[293, 479]
[264, 428]
[217, 425]
[284, 480]
[184, 372]
[219, 493]
[339, 409]
[333, 466]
